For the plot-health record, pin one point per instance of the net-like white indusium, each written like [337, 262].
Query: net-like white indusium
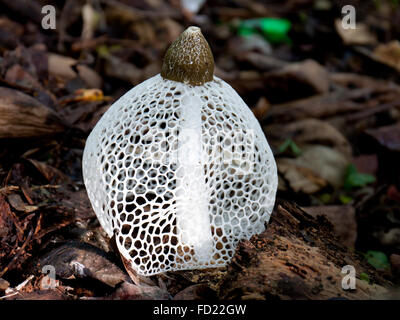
[179, 174]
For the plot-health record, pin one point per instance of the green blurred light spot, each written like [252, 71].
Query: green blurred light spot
[355, 179]
[246, 31]
[345, 199]
[364, 277]
[274, 29]
[325, 198]
[289, 144]
[377, 259]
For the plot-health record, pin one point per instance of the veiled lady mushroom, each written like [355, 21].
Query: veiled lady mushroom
[178, 169]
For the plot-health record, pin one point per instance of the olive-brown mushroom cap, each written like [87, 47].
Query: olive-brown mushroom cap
[189, 59]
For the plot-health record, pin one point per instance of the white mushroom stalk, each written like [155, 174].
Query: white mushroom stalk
[192, 215]
[179, 169]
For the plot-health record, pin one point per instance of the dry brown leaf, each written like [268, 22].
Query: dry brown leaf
[388, 136]
[17, 203]
[117, 68]
[297, 80]
[309, 131]
[18, 75]
[5, 219]
[4, 284]
[52, 175]
[321, 106]
[353, 80]
[389, 54]
[314, 169]
[359, 36]
[300, 178]
[260, 61]
[23, 116]
[61, 67]
[81, 260]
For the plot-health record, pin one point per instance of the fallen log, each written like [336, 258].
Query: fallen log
[296, 257]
